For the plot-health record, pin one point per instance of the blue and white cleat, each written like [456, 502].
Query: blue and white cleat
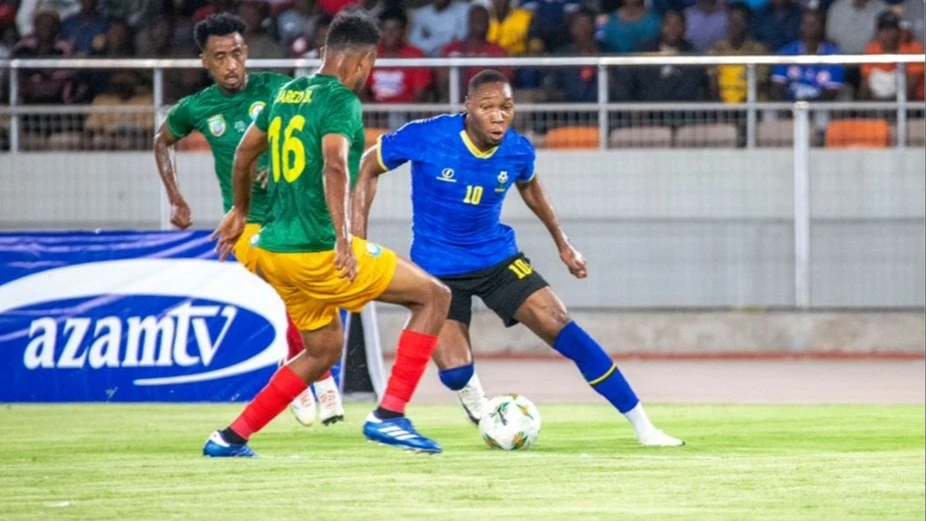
[217, 447]
[398, 432]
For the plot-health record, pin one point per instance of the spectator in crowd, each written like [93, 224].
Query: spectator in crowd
[28, 9]
[550, 19]
[160, 41]
[119, 42]
[668, 82]
[86, 30]
[808, 82]
[438, 24]
[298, 22]
[850, 23]
[578, 84]
[629, 27]
[914, 18]
[509, 27]
[402, 84]
[374, 8]
[777, 24]
[707, 24]
[879, 81]
[215, 6]
[476, 43]
[306, 48]
[45, 86]
[260, 44]
[136, 13]
[122, 131]
[729, 82]
[7, 41]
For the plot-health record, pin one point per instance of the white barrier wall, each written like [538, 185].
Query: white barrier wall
[661, 228]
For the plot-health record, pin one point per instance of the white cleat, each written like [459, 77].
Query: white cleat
[303, 407]
[473, 399]
[657, 438]
[330, 408]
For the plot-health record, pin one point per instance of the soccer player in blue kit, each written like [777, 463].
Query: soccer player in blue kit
[462, 168]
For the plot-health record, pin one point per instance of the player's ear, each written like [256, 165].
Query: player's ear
[202, 58]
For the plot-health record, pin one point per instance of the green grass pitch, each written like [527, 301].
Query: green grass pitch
[133, 462]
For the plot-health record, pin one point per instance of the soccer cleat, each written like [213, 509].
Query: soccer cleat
[398, 432]
[657, 438]
[330, 409]
[217, 447]
[303, 407]
[473, 400]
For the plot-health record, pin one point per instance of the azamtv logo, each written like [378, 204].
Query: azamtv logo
[170, 320]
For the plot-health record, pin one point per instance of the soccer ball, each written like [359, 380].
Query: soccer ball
[510, 422]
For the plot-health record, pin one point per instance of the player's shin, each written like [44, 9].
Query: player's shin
[412, 357]
[465, 383]
[602, 374]
[283, 387]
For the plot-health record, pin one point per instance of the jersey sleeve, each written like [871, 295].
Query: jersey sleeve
[526, 174]
[180, 119]
[400, 146]
[262, 122]
[343, 117]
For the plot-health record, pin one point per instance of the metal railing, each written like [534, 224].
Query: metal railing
[602, 108]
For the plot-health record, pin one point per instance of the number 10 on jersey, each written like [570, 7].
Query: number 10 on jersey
[473, 194]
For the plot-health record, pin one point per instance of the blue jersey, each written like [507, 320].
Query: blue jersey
[457, 192]
[808, 82]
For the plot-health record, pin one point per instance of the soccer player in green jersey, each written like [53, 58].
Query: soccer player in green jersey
[307, 252]
[222, 112]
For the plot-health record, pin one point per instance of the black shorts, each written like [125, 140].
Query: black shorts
[503, 287]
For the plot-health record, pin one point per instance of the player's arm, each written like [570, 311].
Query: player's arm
[252, 145]
[537, 199]
[336, 179]
[365, 190]
[166, 158]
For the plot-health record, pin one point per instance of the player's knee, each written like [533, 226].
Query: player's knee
[439, 296]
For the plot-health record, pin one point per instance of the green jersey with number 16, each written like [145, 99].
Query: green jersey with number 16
[303, 112]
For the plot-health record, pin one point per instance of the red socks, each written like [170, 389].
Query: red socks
[293, 339]
[295, 345]
[282, 389]
[411, 359]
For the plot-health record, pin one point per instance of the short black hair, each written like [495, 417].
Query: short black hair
[586, 12]
[352, 27]
[323, 20]
[485, 77]
[220, 24]
[394, 13]
[742, 8]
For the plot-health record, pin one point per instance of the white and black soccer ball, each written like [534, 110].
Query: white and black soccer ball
[510, 422]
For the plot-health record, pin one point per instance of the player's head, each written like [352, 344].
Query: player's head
[489, 107]
[222, 49]
[350, 47]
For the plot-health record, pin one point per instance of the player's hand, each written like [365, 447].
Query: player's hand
[228, 232]
[574, 260]
[345, 260]
[262, 178]
[180, 215]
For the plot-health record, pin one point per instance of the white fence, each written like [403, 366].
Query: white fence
[739, 222]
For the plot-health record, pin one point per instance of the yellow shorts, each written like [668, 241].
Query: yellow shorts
[244, 250]
[310, 286]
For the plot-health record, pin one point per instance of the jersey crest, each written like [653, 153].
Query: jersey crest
[216, 125]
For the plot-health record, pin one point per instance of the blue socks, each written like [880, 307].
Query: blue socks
[595, 365]
[457, 378]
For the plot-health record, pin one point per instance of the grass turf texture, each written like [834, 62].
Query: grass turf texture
[133, 462]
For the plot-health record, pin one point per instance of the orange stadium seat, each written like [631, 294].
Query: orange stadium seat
[572, 137]
[194, 142]
[371, 134]
[858, 133]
